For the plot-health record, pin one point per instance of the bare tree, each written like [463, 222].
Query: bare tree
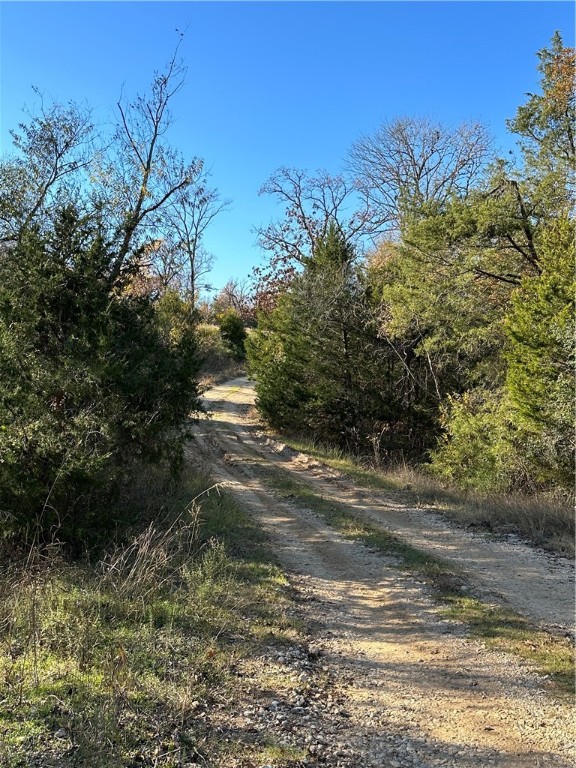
[144, 172]
[409, 162]
[53, 149]
[310, 203]
[236, 295]
[191, 212]
[151, 207]
[165, 262]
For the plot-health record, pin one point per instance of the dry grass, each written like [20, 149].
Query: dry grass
[543, 519]
[118, 662]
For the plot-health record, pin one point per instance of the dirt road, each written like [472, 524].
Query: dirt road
[417, 691]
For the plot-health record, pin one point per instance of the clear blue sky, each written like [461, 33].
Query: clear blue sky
[278, 83]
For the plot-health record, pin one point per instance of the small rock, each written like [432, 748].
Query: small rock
[62, 733]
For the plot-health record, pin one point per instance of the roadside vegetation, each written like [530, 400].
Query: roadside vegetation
[433, 325]
[545, 521]
[449, 342]
[128, 588]
[499, 627]
[130, 659]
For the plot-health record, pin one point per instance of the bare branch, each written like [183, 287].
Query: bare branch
[152, 175]
[408, 162]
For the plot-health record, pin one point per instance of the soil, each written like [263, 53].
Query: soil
[384, 681]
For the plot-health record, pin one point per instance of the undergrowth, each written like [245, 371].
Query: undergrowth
[117, 662]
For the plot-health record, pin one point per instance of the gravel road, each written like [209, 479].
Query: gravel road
[385, 681]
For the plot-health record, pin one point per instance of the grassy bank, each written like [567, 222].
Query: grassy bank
[127, 660]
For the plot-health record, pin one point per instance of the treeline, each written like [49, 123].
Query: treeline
[451, 341]
[100, 261]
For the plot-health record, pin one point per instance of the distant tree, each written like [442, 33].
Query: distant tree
[237, 296]
[311, 204]
[410, 162]
[320, 364]
[165, 264]
[191, 212]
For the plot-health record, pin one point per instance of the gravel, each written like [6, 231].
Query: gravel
[383, 680]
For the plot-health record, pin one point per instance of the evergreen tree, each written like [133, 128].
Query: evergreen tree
[321, 367]
[528, 233]
[90, 382]
[540, 378]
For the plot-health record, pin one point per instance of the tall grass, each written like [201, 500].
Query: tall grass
[114, 662]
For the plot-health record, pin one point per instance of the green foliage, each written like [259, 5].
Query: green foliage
[98, 367]
[547, 121]
[461, 326]
[92, 381]
[176, 316]
[476, 450]
[320, 366]
[233, 332]
[540, 380]
[521, 436]
[482, 287]
[217, 361]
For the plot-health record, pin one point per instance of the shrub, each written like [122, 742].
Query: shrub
[92, 381]
[233, 332]
[476, 450]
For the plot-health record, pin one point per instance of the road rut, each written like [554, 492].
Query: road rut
[418, 690]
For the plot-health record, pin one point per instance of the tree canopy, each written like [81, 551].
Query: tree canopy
[458, 325]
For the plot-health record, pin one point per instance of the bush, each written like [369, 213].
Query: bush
[476, 449]
[217, 361]
[92, 382]
[233, 332]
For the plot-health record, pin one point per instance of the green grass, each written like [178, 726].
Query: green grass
[104, 664]
[504, 630]
[498, 627]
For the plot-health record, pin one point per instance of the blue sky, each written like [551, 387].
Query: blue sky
[278, 83]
